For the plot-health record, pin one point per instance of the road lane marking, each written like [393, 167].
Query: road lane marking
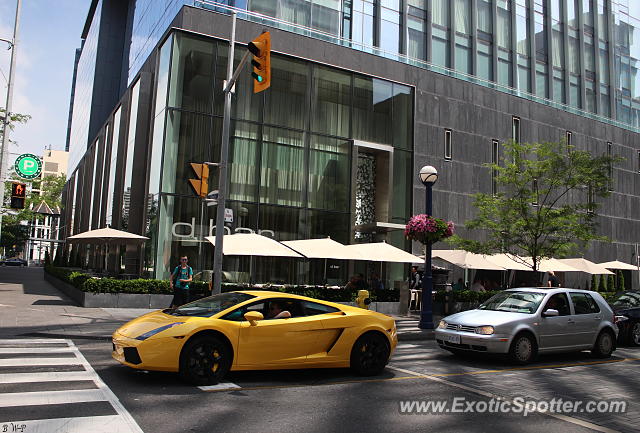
[111, 397]
[33, 340]
[227, 386]
[93, 424]
[487, 394]
[12, 350]
[20, 362]
[53, 376]
[342, 382]
[51, 397]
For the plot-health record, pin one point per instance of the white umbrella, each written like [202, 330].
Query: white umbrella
[508, 262]
[465, 259]
[618, 265]
[251, 244]
[584, 265]
[106, 235]
[325, 248]
[383, 252]
[550, 264]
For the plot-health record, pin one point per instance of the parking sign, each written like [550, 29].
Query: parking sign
[28, 166]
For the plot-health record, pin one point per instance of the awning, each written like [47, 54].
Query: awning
[325, 248]
[512, 263]
[465, 259]
[107, 236]
[618, 265]
[584, 265]
[250, 244]
[383, 252]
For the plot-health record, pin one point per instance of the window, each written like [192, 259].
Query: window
[313, 308]
[639, 161]
[447, 144]
[583, 303]
[494, 172]
[568, 137]
[558, 302]
[515, 129]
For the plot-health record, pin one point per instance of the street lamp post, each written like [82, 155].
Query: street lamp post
[428, 176]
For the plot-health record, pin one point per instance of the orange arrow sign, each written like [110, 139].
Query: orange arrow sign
[201, 184]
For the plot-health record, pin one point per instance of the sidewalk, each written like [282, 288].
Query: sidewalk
[30, 306]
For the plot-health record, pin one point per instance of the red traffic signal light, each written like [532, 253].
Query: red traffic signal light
[18, 194]
[260, 47]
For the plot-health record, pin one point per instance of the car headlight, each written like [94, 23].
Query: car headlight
[442, 324]
[484, 330]
[157, 330]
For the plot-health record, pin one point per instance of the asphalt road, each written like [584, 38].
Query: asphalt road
[335, 400]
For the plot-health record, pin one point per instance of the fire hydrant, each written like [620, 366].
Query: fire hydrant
[363, 300]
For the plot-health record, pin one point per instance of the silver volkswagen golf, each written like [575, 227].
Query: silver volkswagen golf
[527, 321]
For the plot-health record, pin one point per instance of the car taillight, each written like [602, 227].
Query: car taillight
[618, 319]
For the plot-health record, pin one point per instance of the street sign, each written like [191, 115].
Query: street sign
[28, 166]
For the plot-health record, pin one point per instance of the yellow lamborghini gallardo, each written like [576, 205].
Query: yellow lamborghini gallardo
[256, 330]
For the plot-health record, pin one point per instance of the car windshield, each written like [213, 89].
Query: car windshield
[207, 307]
[514, 302]
[627, 300]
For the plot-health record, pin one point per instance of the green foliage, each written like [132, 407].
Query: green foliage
[604, 283]
[14, 118]
[464, 296]
[595, 283]
[13, 233]
[611, 285]
[562, 182]
[86, 283]
[621, 282]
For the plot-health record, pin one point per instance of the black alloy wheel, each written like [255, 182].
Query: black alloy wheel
[205, 360]
[604, 345]
[370, 354]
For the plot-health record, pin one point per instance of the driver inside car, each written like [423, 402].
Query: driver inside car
[276, 311]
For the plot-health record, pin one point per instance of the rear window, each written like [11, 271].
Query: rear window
[583, 303]
[313, 308]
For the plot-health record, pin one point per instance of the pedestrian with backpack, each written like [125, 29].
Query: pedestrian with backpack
[181, 276]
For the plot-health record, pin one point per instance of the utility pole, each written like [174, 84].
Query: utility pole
[224, 157]
[4, 150]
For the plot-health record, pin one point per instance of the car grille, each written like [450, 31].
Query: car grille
[461, 328]
[131, 355]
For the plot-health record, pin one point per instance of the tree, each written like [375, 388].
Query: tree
[546, 203]
[13, 119]
[621, 285]
[595, 282]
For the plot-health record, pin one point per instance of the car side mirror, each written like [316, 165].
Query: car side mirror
[253, 316]
[550, 313]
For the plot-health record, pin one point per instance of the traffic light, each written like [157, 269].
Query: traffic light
[18, 191]
[260, 47]
[201, 184]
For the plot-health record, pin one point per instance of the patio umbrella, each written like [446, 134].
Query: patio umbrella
[618, 265]
[508, 262]
[325, 248]
[584, 265]
[107, 236]
[251, 244]
[465, 259]
[382, 252]
[546, 265]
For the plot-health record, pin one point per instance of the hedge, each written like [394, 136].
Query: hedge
[464, 295]
[86, 283]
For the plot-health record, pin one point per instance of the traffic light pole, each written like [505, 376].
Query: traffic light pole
[224, 157]
[4, 151]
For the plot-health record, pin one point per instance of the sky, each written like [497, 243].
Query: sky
[48, 36]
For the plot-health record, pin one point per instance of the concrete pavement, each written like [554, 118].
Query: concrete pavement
[30, 306]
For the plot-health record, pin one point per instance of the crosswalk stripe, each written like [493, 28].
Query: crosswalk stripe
[32, 340]
[19, 362]
[93, 424]
[54, 376]
[12, 350]
[51, 397]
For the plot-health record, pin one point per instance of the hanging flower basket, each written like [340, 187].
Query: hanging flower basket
[427, 229]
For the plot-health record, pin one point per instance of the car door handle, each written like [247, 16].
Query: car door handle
[570, 321]
[597, 318]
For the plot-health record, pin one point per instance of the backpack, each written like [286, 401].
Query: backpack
[176, 273]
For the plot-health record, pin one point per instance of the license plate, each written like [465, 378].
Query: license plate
[452, 338]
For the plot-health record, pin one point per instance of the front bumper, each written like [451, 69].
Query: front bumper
[160, 354]
[495, 343]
